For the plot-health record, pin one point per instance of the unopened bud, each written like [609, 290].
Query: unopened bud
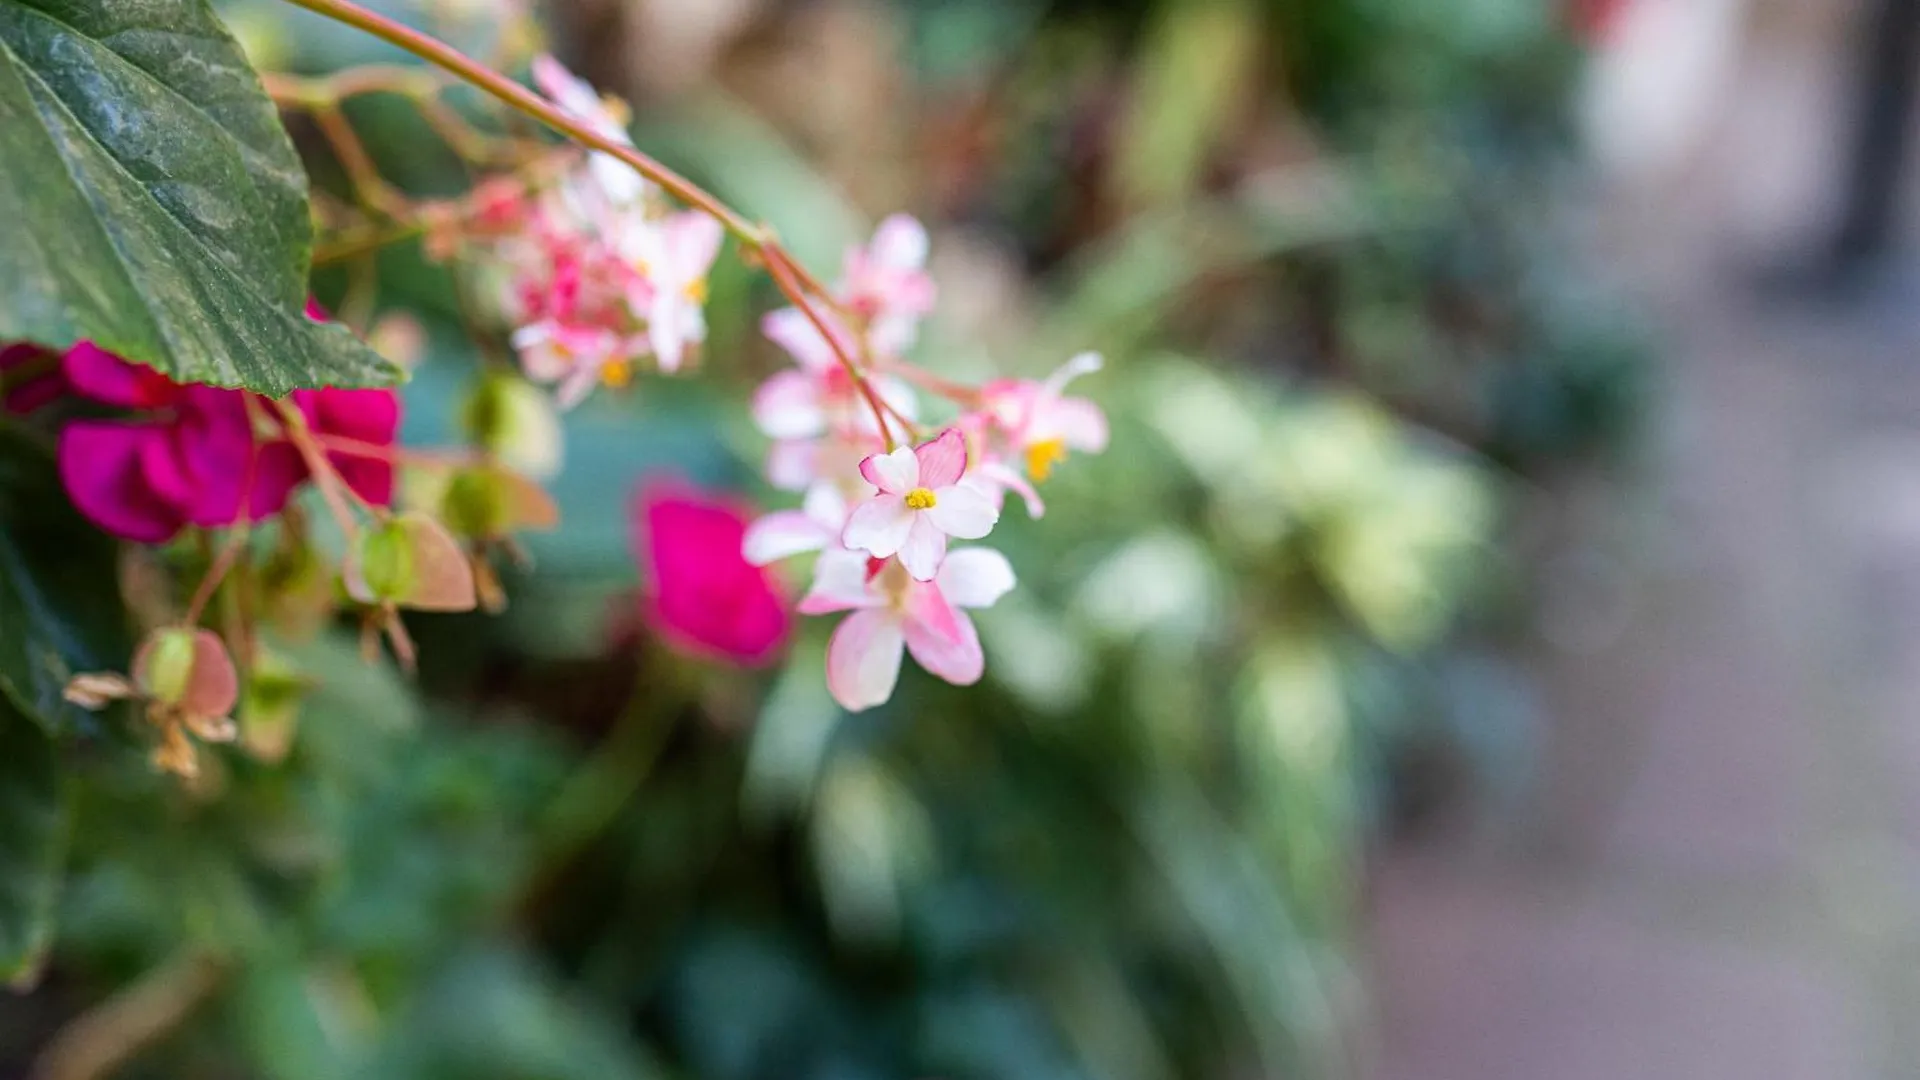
[410, 561]
[189, 670]
[488, 502]
[516, 422]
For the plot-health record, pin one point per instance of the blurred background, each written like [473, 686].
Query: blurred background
[1486, 651]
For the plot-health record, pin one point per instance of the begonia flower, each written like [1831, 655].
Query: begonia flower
[892, 612]
[920, 504]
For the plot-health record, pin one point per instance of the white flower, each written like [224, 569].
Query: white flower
[921, 503]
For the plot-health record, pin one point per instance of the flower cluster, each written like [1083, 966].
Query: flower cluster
[147, 459]
[595, 272]
[881, 515]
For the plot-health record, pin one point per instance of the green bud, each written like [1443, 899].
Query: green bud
[515, 420]
[164, 668]
[474, 505]
[381, 569]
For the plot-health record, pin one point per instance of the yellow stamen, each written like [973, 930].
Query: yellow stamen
[617, 373]
[920, 499]
[1043, 456]
[697, 290]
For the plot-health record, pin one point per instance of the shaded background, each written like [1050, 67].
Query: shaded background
[1484, 651]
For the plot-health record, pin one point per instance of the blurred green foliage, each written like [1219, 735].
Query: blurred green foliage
[1321, 244]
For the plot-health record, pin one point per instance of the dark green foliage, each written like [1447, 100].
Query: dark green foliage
[153, 204]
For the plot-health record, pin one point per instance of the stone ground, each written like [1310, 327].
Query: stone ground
[1719, 876]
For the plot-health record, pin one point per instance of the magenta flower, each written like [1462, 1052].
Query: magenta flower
[702, 596]
[191, 454]
[921, 503]
[29, 377]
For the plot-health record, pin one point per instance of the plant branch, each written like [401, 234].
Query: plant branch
[793, 279]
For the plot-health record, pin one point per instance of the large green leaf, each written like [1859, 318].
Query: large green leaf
[33, 841]
[60, 607]
[152, 202]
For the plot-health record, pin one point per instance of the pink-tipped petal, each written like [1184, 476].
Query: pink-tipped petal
[1079, 423]
[790, 329]
[942, 639]
[894, 473]
[962, 512]
[787, 406]
[668, 329]
[783, 534]
[693, 240]
[863, 659]
[103, 468]
[974, 577]
[998, 478]
[1085, 363]
[900, 243]
[925, 546]
[880, 525]
[825, 504]
[942, 461]
[793, 464]
[840, 583]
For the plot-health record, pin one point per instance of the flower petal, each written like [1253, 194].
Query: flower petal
[894, 473]
[693, 239]
[101, 465]
[826, 504]
[974, 577]
[782, 534]
[104, 377]
[926, 545]
[790, 329]
[942, 461]
[839, 584]
[1075, 421]
[787, 406]
[1085, 363]
[793, 464]
[900, 243]
[962, 512]
[863, 659]
[942, 638]
[880, 525]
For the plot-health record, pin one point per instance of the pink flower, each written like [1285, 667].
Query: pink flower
[921, 503]
[816, 526]
[617, 180]
[673, 256]
[887, 284]
[808, 402]
[703, 597]
[193, 457]
[577, 357]
[1039, 426]
[892, 612]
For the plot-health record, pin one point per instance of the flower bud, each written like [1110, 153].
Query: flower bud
[515, 421]
[486, 502]
[187, 670]
[410, 561]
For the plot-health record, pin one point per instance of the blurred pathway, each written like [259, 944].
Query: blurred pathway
[1720, 876]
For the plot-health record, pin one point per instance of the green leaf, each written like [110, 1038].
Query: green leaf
[33, 823]
[153, 203]
[60, 608]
